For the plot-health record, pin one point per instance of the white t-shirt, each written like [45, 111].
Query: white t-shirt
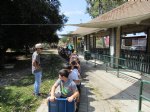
[74, 75]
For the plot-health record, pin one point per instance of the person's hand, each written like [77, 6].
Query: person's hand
[70, 99]
[51, 98]
[39, 67]
[47, 99]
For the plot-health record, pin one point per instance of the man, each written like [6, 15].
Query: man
[36, 68]
[67, 87]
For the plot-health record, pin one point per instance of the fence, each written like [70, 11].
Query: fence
[135, 60]
[123, 64]
[141, 96]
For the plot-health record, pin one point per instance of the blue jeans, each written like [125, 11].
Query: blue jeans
[69, 52]
[37, 82]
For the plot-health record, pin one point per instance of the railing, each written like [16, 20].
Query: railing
[117, 64]
[141, 96]
[100, 50]
[80, 51]
[136, 60]
[113, 63]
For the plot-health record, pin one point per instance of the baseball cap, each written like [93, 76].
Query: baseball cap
[75, 52]
[39, 45]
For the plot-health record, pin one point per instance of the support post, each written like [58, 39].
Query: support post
[148, 41]
[118, 45]
[140, 98]
[112, 46]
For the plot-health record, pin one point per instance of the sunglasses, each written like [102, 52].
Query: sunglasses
[61, 75]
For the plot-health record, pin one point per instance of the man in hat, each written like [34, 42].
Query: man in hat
[36, 68]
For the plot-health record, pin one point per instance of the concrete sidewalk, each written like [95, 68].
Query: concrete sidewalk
[103, 92]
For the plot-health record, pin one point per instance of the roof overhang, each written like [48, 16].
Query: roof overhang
[114, 23]
[69, 35]
[130, 13]
[85, 31]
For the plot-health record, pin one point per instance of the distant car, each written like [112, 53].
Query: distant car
[142, 48]
[133, 48]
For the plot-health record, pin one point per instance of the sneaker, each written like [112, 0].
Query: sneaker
[77, 110]
[39, 94]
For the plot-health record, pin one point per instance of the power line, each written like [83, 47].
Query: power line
[32, 24]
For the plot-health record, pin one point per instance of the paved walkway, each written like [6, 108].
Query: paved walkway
[103, 92]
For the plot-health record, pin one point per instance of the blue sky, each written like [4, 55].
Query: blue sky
[75, 10]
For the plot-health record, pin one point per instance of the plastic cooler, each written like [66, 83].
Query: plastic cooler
[61, 105]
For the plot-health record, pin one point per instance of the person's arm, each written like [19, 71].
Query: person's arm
[52, 92]
[36, 64]
[75, 77]
[73, 96]
[77, 81]
[79, 75]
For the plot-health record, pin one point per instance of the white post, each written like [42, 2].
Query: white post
[112, 46]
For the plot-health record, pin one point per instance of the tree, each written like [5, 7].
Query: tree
[64, 39]
[33, 12]
[98, 7]
[29, 12]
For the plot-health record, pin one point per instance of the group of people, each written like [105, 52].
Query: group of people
[69, 79]
[65, 52]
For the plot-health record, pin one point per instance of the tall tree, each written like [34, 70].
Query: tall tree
[31, 12]
[26, 15]
[98, 7]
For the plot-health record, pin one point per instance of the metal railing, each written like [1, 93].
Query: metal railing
[139, 62]
[141, 96]
[117, 64]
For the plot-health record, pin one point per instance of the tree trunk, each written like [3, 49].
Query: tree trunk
[2, 57]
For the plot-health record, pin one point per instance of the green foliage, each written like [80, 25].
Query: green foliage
[97, 7]
[29, 12]
[64, 39]
[17, 96]
[99, 43]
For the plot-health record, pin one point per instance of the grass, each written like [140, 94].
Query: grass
[17, 95]
[117, 110]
